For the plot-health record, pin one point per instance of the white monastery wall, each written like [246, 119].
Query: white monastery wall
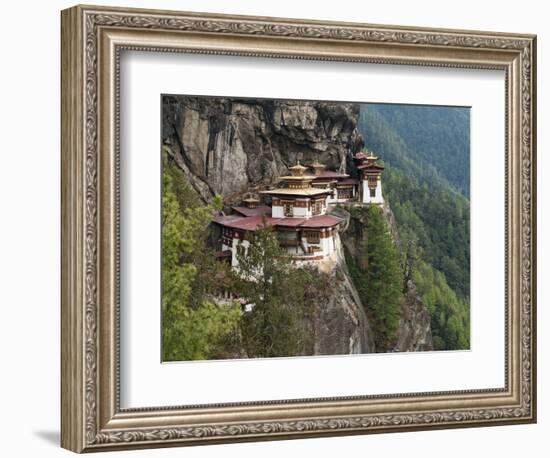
[377, 199]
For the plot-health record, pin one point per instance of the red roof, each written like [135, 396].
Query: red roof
[225, 220]
[251, 223]
[370, 166]
[360, 155]
[288, 222]
[260, 210]
[245, 223]
[322, 221]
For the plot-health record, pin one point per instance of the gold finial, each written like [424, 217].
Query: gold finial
[318, 167]
[297, 170]
[371, 156]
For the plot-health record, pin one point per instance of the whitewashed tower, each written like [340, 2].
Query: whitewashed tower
[371, 182]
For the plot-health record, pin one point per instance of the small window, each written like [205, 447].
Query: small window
[317, 207]
[287, 209]
[313, 236]
[372, 192]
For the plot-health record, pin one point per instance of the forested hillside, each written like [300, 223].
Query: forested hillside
[426, 182]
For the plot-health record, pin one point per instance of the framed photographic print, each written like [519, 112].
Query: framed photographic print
[277, 228]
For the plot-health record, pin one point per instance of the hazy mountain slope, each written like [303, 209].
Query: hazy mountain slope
[435, 141]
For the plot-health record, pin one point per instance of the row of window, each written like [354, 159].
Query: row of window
[317, 208]
[291, 238]
[345, 193]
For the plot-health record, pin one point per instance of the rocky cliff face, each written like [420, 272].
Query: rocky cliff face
[227, 146]
[342, 326]
[415, 331]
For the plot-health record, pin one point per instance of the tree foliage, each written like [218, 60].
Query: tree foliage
[437, 221]
[380, 284]
[193, 327]
[284, 297]
[450, 315]
[435, 227]
[279, 323]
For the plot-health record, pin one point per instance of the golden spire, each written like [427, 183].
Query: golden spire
[370, 155]
[318, 167]
[297, 170]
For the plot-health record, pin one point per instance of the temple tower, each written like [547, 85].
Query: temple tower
[318, 168]
[250, 201]
[371, 178]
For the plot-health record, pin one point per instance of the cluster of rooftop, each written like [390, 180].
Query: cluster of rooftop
[298, 211]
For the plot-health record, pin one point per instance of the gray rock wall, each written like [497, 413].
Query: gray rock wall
[227, 146]
[415, 331]
[342, 326]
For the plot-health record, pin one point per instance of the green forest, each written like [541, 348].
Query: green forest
[426, 182]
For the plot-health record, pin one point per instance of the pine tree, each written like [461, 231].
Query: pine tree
[384, 280]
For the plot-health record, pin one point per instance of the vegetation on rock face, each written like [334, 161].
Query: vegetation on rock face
[280, 322]
[192, 327]
[426, 182]
[380, 283]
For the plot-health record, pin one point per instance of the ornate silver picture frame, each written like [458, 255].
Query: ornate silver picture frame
[93, 39]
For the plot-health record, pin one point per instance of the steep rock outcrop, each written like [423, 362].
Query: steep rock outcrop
[414, 332]
[342, 325]
[227, 146]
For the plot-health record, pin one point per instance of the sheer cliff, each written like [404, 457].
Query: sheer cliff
[225, 146]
